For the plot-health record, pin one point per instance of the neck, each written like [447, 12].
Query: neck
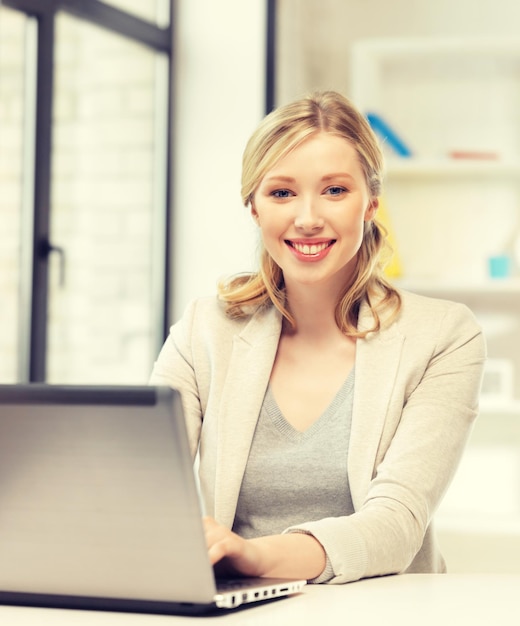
[313, 310]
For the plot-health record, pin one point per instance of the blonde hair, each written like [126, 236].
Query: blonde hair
[279, 133]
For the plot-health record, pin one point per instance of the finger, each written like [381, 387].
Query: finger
[213, 531]
[221, 549]
[221, 541]
[209, 523]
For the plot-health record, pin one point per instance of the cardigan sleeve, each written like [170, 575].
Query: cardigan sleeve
[387, 532]
[175, 368]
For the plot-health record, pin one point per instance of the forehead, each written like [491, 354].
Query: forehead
[320, 151]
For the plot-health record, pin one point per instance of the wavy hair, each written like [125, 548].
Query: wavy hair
[280, 132]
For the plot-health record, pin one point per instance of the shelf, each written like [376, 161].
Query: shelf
[508, 287]
[402, 48]
[434, 168]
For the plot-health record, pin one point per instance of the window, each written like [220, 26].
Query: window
[12, 119]
[88, 247]
[152, 10]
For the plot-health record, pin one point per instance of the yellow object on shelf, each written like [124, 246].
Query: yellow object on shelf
[393, 268]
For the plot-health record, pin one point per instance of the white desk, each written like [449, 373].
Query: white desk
[440, 600]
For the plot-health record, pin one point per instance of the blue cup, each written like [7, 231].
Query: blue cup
[499, 266]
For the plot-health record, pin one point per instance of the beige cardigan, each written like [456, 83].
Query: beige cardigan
[415, 399]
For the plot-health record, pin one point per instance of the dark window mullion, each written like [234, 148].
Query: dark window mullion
[103, 15]
[270, 59]
[32, 7]
[120, 22]
[42, 195]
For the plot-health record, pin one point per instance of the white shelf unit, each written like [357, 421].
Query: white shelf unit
[450, 215]
[507, 289]
[421, 167]
[442, 95]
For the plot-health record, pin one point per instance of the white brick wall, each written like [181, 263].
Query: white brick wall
[99, 328]
[11, 119]
[102, 195]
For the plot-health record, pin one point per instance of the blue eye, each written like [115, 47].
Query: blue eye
[281, 193]
[335, 190]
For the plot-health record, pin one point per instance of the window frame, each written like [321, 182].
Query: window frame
[35, 272]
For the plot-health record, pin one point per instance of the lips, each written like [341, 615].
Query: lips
[309, 248]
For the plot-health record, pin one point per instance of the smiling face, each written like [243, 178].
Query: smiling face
[311, 207]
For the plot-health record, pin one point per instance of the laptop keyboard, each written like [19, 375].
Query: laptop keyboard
[231, 584]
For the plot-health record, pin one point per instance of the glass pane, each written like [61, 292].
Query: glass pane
[155, 11]
[12, 56]
[104, 170]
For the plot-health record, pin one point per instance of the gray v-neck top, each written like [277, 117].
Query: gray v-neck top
[293, 477]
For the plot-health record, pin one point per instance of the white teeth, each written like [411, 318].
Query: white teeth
[312, 249]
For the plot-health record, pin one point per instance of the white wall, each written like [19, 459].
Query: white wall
[315, 36]
[219, 102]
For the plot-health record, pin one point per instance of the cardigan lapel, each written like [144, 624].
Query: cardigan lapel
[377, 362]
[252, 358]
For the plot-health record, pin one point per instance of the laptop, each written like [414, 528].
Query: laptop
[99, 506]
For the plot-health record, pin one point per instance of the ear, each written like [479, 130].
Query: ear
[371, 209]
[254, 213]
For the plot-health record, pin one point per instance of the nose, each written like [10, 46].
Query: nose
[307, 218]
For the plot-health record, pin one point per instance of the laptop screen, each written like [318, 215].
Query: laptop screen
[97, 495]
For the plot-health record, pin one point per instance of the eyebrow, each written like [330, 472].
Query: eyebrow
[283, 179]
[337, 175]
[326, 178]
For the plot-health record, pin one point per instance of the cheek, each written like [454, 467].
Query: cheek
[355, 232]
[354, 220]
[270, 221]
[270, 234]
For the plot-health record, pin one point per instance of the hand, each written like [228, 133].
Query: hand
[230, 553]
[292, 555]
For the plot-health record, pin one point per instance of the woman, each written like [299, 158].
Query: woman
[330, 410]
